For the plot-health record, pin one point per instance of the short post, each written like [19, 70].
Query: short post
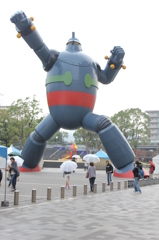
[62, 192]
[16, 197]
[125, 184]
[33, 195]
[49, 193]
[74, 191]
[95, 188]
[111, 186]
[103, 187]
[119, 185]
[85, 189]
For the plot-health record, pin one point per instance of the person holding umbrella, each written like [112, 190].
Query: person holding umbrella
[67, 167]
[91, 175]
[67, 179]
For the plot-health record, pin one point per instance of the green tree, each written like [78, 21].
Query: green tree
[26, 115]
[89, 139]
[59, 137]
[134, 124]
[8, 129]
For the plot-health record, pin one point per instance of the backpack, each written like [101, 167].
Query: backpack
[141, 173]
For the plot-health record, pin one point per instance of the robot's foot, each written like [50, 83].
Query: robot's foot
[129, 167]
[32, 152]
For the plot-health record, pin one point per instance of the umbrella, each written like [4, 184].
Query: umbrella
[18, 160]
[76, 156]
[68, 166]
[14, 154]
[91, 158]
[102, 154]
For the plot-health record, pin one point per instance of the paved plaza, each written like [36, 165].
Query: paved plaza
[117, 215]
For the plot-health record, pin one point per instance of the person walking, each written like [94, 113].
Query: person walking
[91, 171]
[109, 171]
[14, 173]
[67, 179]
[11, 173]
[141, 171]
[136, 177]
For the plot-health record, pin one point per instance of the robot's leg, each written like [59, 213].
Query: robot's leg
[114, 142]
[35, 145]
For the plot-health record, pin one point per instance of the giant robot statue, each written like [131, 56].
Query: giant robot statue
[71, 87]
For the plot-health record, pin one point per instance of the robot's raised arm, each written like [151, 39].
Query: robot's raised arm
[114, 64]
[27, 30]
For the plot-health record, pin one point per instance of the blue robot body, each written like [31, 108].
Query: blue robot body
[76, 58]
[71, 88]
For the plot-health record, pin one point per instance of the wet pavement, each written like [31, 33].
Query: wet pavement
[118, 214]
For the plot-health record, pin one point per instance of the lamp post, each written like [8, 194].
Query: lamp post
[5, 203]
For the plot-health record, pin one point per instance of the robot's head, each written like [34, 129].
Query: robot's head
[73, 44]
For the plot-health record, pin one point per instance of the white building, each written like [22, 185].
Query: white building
[154, 125]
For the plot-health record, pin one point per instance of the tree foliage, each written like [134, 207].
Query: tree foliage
[89, 139]
[19, 120]
[8, 129]
[134, 124]
[59, 137]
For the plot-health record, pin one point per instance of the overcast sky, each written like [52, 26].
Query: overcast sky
[99, 25]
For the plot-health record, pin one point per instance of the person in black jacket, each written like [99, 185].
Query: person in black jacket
[109, 171]
[136, 177]
[1, 176]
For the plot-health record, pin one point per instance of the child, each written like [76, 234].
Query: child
[67, 178]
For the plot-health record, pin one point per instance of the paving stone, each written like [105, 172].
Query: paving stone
[116, 215]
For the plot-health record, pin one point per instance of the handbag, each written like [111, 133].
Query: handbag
[87, 175]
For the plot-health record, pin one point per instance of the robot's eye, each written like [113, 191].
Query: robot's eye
[70, 43]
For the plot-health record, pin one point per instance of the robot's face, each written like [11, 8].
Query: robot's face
[73, 44]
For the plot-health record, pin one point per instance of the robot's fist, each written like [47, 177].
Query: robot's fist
[20, 20]
[117, 55]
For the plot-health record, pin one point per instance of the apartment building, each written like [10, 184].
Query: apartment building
[154, 126]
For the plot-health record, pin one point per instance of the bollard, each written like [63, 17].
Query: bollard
[49, 193]
[85, 189]
[74, 191]
[62, 192]
[125, 184]
[16, 197]
[33, 195]
[103, 187]
[111, 186]
[119, 185]
[95, 188]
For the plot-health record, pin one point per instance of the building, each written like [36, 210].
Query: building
[154, 126]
